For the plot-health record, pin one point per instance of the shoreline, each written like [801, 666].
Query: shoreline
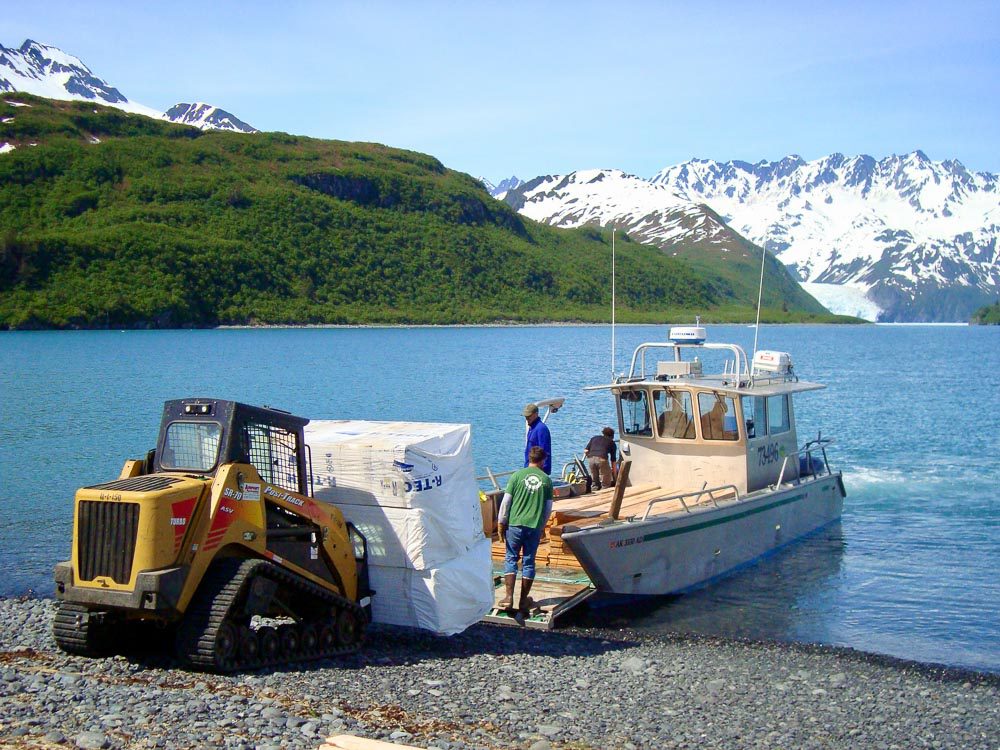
[494, 324]
[495, 687]
[408, 326]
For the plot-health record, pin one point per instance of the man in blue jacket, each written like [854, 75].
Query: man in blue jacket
[538, 434]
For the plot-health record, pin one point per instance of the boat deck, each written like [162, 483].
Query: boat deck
[591, 509]
[560, 582]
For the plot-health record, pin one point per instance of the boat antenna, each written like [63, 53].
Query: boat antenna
[760, 294]
[612, 303]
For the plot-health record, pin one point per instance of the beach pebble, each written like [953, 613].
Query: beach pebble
[91, 741]
[491, 688]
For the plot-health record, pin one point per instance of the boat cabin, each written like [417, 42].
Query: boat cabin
[685, 430]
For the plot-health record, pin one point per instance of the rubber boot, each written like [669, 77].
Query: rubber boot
[527, 603]
[508, 598]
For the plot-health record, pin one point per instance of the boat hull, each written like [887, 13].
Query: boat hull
[672, 553]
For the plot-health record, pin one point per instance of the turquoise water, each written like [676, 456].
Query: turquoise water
[912, 571]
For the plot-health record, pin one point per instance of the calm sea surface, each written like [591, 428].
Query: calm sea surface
[912, 571]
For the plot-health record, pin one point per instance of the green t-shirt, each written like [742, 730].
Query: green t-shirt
[529, 489]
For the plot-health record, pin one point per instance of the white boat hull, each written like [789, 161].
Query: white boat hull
[668, 554]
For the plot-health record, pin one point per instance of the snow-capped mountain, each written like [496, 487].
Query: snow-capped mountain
[42, 70]
[207, 117]
[918, 237]
[47, 71]
[901, 239]
[652, 214]
[499, 191]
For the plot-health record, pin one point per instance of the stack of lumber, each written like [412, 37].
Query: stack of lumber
[582, 511]
[548, 556]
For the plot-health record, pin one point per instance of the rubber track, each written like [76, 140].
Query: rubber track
[74, 633]
[220, 594]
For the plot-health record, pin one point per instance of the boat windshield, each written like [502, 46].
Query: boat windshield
[674, 414]
[718, 417]
[634, 408]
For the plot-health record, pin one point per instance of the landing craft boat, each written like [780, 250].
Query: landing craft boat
[711, 479]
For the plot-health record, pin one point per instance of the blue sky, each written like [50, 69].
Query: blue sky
[533, 88]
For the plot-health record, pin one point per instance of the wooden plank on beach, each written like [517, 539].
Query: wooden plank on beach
[351, 742]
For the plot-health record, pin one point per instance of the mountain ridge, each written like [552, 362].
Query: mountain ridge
[44, 70]
[919, 236]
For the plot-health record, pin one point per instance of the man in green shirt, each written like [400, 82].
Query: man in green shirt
[525, 508]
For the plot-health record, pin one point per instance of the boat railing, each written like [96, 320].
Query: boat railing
[737, 369]
[492, 477]
[570, 466]
[819, 444]
[683, 496]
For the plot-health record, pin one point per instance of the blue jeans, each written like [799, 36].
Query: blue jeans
[521, 540]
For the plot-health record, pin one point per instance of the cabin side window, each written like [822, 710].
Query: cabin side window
[634, 408]
[674, 414]
[753, 415]
[777, 414]
[272, 451]
[718, 417]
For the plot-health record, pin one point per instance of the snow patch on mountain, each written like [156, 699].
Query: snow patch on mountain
[500, 190]
[48, 71]
[207, 117]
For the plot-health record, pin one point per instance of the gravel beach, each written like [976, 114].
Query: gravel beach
[493, 687]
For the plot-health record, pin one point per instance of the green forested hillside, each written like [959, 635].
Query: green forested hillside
[110, 219]
[987, 316]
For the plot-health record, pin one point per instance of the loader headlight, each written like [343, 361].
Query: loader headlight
[197, 408]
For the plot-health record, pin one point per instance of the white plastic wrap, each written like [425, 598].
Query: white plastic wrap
[424, 468]
[444, 600]
[393, 464]
[410, 488]
[411, 537]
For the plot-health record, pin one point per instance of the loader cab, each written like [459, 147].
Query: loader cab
[198, 436]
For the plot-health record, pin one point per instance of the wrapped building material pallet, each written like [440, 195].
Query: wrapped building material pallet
[412, 465]
[410, 489]
[444, 600]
